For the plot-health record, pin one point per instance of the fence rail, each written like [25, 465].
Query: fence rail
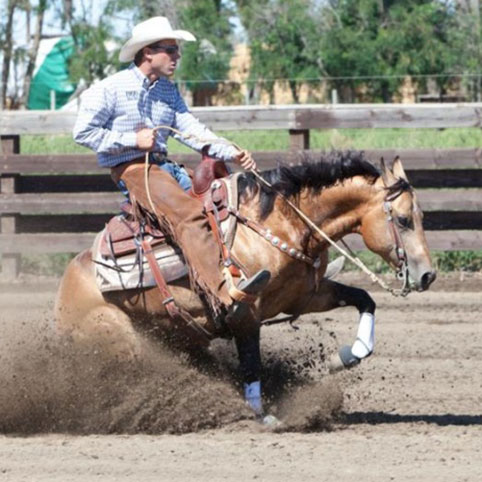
[55, 203]
[293, 117]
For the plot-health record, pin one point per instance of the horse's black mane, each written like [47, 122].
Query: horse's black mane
[312, 174]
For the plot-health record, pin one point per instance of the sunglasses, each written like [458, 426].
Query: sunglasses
[169, 49]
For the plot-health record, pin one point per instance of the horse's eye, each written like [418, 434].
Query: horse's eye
[403, 221]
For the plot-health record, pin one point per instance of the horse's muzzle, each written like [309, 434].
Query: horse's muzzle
[427, 279]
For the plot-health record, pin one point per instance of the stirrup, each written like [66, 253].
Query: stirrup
[255, 284]
[251, 288]
[247, 290]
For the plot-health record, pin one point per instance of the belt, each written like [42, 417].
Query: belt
[154, 157]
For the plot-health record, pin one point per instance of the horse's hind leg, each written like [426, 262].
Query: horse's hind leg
[82, 314]
[332, 295]
[110, 331]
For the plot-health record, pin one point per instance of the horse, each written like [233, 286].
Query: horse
[341, 193]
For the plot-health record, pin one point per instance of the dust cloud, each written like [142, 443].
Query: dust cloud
[49, 385]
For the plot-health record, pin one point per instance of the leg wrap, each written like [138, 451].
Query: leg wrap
[252, 395]
[365, 340]
[249, 358]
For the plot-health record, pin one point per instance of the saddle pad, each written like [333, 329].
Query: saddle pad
[124, 273]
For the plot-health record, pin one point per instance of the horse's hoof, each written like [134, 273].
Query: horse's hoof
[335, 364]
[342, 360]
[271, 421]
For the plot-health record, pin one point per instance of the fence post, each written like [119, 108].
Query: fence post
[299, 139]
[8, 222]
[9, 145]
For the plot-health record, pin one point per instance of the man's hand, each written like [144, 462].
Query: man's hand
[146, 139]
[245, 160]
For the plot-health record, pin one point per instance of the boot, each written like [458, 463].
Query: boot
[239, 310]
[255, 284]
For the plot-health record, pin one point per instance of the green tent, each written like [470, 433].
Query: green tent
[51, 74]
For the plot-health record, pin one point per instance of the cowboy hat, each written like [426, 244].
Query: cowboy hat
[148, 32]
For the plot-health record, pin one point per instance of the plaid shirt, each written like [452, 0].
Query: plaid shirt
[113, 110]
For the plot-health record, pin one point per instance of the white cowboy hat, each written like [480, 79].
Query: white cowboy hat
[148, 32]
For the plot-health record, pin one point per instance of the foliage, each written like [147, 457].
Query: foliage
[206, 61]
[443, 261]
[289, 39]
[282, 39]
[458, 260]
[45, 264]
[92, 59]
[392, 39]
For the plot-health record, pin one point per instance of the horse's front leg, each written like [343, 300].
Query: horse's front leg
[246, 331]
[332, 295]
[249, 353]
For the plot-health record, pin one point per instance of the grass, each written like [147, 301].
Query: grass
[443, 261]
[278, 140]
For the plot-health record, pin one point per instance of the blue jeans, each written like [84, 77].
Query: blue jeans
[175, 170]
[178, 173]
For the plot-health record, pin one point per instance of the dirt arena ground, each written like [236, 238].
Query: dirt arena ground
[412, 411]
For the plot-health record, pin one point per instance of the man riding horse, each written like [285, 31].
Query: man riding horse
[118, 119]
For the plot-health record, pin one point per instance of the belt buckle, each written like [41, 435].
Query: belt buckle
[158, 157]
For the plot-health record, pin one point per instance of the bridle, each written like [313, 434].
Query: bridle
[398, 245]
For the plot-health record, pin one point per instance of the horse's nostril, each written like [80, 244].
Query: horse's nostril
[428, 278]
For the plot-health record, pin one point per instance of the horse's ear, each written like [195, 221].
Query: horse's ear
[387, 176]
[398, 170]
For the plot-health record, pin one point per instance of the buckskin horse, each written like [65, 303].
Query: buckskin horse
[341, 193]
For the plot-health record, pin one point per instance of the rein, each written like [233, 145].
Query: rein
[402, 269]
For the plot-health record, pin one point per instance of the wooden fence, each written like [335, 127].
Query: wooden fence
[55, 203]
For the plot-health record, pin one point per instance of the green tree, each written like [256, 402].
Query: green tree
[467, 37]
[92, 59]
[206, 61]
[203, 62]
[95, 58]
[21, 58]
[390, 39]
[7, 45]
[282, 35]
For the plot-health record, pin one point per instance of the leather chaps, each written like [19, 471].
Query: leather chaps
[183, 218]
